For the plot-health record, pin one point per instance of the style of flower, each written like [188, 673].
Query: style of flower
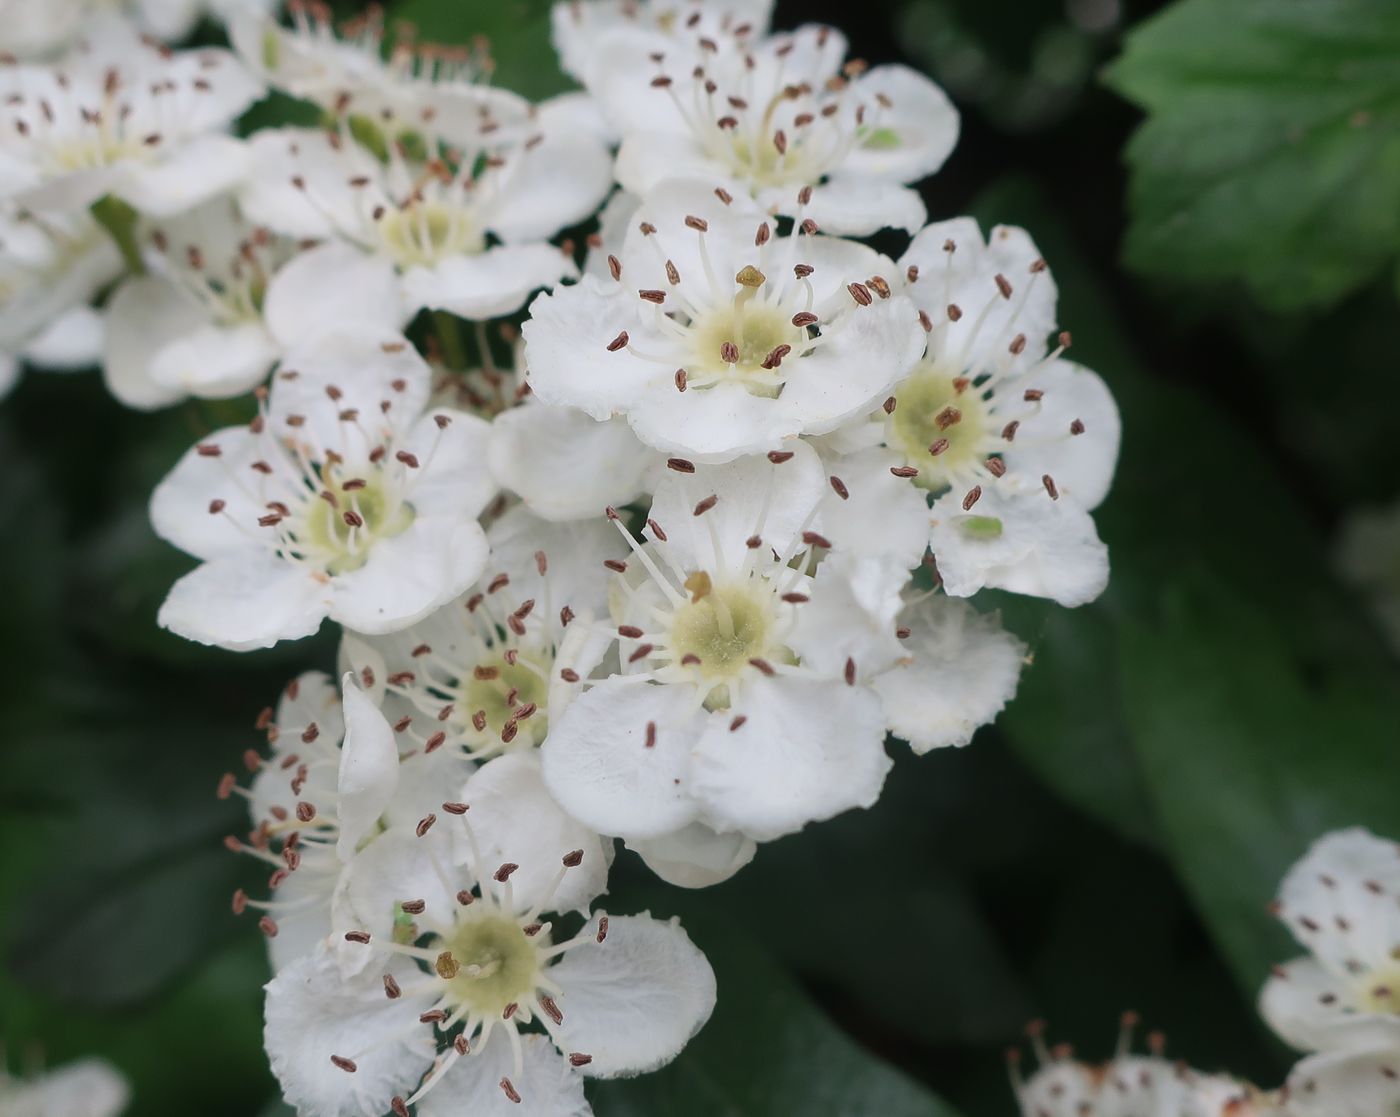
[222, 300]
[123, 117]
[341, 499]
[436, 1017]
[718, 337]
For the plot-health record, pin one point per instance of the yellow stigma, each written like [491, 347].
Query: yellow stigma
[489, 963]
[725, 628]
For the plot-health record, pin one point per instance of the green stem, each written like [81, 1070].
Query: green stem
[449, 334]
[119, 219]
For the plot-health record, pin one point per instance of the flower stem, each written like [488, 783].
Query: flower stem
[119, 219]
[449, 334]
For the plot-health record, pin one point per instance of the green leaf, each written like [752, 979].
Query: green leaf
[766, 1052]
[1256, 701]
[1271, 151]
[518, 32]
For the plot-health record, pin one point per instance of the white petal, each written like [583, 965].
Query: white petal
[717, 425]
[635, 999]
[567, 335]
[313, 1013]
[962, 668]
[598, 767]
[515, 819]
[307, 924]
[244, 601]
[558, 182]
[852, 206]
[393, 868]
[180, 504]
[146, 313]
[1081, 464]
[807, 751]
[85, 1088]
[850, 615]
[1342, 900]
[489, 284]
[72, 341]
[547, 1085]
[215, 362]
[911, 132]
[564, 463]
[574, 555]
[1356, 1083]
[452, 478]
[369, 768]
[409, 575]
[1018, 540]
[199, 170]
[647, 159]
[696, 856]
[1062, 1088]
[330, 284]
[312, 698]
[756, 497]
[325, 202]
[1314, 1010]
[881, 515]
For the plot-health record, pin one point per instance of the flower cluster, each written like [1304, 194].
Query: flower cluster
[1340, 1004]
[666, 562]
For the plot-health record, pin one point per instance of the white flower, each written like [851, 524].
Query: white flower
[621, 996]
[1015, 445]
[85, 1088]
[724, 712]
[781, 114]
[32, 30]
[223, 300]
[344, 500]
[124, 117]
[1342, 902]
[51, 266]
[584, 30]
[466, 232]
[718, 337]
[1363, 1083]
[1368, 556]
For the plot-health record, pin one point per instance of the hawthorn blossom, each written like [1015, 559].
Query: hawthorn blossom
[85, 1088]
[1014, 445]
[1345, 1083]
[718, 337]
[1342, 903]
[223, 300]
[124, 117]
[781, 114]
[434, 1019]
[1368, 556]
[724, 712]
[51, 267]
[341, 499]
[465, 227]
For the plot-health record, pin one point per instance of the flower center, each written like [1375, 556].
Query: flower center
[747, 344]
[1379, 990]
[498, 693]
[725, 628]
[421, 234]
[940, 424]
[365, 509]
[489, 963]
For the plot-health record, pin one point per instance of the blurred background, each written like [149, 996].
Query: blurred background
[1227, 266]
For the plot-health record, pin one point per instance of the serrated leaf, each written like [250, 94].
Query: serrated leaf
[1271, 151]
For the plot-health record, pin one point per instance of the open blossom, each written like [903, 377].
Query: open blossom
[434, 1017]
[1347, 1083]
[342, 499]
[85, 1088]
[718, 337]
[1014, 444]
[1342, 902]
[780, 114]
[222, 300]
[125, 117]
[51, 267]
[465, 225]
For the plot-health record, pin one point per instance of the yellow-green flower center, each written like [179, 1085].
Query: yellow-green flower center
[1379, 990]
[496, 693]
[745, 344]
[489, 963]
[341, 534]
[422, 233]
[940, 424]
[725, 628]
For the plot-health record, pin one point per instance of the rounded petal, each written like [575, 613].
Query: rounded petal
[1353, 1083]
[180, 503]
[911, 131]
[851, 206]
[546, 1084]
[635, 999]
[215, 362]
[86, 1088]
[324, 203]
[391, 869]
[1082, 464]
[961, 669]
[146, 314]
[696, 856]
[314, 1014]
[1314, 1010]
[330, 284]
[73, 340]
[452, 478]
[873, 513]
[565, 464]
[574, 555]
[369, 769]
[489, 284]
[599, 767]
[647, 159]
[409, 575]
[558, 182]
[808, 750]
[307, 922]
[1340, 900]
[515, 819]
[199, 170]
[718, 424]
[1018, 540]
[244, 601]
[850, 615]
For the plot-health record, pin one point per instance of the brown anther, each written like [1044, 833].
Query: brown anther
[839, 487]
[602, 928]
[729, 353]
[305, 812]
[1076, 426]
[949, 416]
[501, 875]
[954, 312]
[861, 293]
[1033, 395]
[1008, 432]
[573, 859]
[812, 539]
[777, 457]
[391, 988]
[615, 267]
[656, 530]
[680, 465]
[578, 1059]
[360, 937]
[1003, 285]
[569, 675]
[802, 271]
[1050, 487]
[937, 446]
[268, 926]
[705, 505]
[905, 471]
[650, 741]
[455, 808]
[347, 1065]
[973, 495]
[697, 223]
[425, 824]
[996, 467]
[509, 1091]
[619, 342]
[414, 907]
[762, 666]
